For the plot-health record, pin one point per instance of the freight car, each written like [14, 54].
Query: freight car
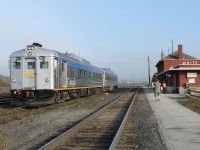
[42, 76]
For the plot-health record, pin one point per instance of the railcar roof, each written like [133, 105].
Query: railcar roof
[76, 59]
[39, 52]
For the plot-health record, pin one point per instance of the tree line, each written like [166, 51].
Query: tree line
[4, 81]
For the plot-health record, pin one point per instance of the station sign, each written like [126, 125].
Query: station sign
[191, 80]
[191, 75]
[189, 62]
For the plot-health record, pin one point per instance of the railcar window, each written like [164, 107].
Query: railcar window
[44, 64]
[98, 76]
[81, 73]
[16, 65]
[94, 75]
[31, 65]
[90, 74]
[84, 74]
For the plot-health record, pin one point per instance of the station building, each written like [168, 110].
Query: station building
[180, 71]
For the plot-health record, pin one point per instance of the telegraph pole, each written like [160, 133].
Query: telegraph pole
[149, 69]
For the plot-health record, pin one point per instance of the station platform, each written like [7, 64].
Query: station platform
[179, 127]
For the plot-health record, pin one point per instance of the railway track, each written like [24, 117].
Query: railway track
[99, 131]
[5, 99]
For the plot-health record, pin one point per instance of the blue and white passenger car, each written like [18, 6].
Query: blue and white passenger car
[44, 76]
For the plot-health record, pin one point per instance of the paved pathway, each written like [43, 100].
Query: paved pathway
[179, 126]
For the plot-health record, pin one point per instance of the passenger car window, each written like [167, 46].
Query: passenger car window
[44, 64]
[16, 65]
[31, 65]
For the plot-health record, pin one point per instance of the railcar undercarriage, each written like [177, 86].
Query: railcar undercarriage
[45, 97]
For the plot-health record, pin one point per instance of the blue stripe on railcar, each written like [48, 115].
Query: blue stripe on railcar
[60, 61]
[79, 66]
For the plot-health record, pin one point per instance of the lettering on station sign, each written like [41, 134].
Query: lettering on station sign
[189, 62]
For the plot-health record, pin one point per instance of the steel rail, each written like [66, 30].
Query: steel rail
[5, 98]
[51, 144]
[120, 130]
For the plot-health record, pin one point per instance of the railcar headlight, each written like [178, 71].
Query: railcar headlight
[47, 79]
[30, 47]
[14, 80]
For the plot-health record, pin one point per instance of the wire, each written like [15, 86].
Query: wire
[124, 61]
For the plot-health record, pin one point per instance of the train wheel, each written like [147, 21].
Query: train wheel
[89, 92]
[57, 99]
[78, 94]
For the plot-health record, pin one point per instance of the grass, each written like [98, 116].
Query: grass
[19, 113]
[4, 90]
[191, 102]
[4, 142]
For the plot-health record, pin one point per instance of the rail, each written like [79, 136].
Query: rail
[62, 137]
[120, 130]
[5, 98]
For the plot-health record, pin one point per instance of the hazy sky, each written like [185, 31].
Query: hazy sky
[119, 34]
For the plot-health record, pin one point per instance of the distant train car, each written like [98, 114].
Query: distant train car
[110, 80]
[42, 76]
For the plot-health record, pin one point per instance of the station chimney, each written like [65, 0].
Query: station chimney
[180, 51]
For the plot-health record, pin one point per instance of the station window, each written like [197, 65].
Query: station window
[44, 64]
[16, 65]
[31, 65]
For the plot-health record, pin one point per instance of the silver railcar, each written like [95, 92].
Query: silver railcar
[44, 76]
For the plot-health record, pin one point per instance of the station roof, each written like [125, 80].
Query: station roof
[174, 55]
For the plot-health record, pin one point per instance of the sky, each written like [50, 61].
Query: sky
[115, 34]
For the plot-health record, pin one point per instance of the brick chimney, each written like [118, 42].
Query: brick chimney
[180, 51]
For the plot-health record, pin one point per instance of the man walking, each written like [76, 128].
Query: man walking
[157, 90]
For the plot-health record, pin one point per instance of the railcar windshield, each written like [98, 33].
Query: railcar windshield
[44, 65]
[16, 65]
[31, 65]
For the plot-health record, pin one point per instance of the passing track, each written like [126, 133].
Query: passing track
[5, 98]
[99, 131]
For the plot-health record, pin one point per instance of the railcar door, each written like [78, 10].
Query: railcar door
[55, 73]
[64, 74]
[30, 74]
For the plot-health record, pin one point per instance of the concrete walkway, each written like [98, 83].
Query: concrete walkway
[179, 126]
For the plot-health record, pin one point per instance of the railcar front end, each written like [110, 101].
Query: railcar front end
[31, 73]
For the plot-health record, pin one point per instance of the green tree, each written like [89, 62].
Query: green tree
[155, 76]
[4, 81]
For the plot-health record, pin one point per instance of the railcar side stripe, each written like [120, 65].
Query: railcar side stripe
[30, 74]
[76, 88]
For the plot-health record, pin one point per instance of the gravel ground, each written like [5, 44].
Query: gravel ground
[33, 132]
[144, 127]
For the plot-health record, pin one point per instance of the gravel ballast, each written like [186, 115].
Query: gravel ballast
[141, 130]
[33, 132]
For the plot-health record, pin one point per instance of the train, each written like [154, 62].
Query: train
[41, 76]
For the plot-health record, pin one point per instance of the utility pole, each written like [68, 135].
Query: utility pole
[168, 48]
[149, 69]
[172, 45]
